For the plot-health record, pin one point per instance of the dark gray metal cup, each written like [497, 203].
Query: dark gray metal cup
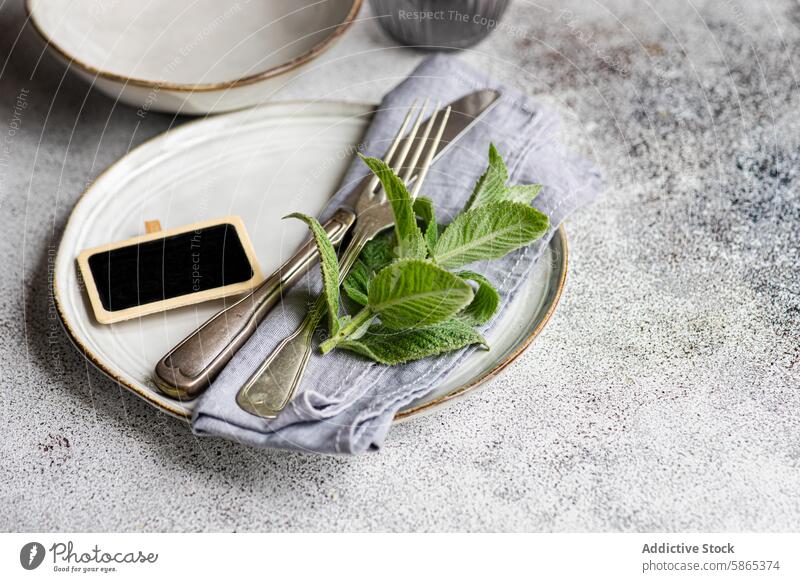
[439, 24]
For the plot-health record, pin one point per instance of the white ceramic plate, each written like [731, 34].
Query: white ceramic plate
[195, 56]
[259, 164]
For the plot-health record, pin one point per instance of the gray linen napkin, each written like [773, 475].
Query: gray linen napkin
[346, 403]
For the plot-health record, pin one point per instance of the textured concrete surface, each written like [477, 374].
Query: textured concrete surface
[662, 396]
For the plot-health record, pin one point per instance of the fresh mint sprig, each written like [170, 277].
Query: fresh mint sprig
[409, 305]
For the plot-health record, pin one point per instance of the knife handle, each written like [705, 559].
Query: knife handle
[188, 369]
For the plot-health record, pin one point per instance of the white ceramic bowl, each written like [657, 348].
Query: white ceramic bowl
[194, 57]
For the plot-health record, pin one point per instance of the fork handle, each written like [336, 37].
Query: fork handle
[271, 387]
[186, 370]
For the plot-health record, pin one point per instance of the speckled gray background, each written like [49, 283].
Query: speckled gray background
[664, 394]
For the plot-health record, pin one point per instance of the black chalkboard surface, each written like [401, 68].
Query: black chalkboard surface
[170, 267]
[164, 270]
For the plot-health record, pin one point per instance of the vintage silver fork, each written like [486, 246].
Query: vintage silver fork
[273, 384]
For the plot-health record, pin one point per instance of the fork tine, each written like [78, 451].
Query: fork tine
[390, 154]
[423, 141]
[409, 140]
[430, 153]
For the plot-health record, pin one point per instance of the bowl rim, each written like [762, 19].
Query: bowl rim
[274, 71]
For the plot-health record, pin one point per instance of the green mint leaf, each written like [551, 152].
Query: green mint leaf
[489, 231]
[492, 184]
[524, 193]
[412, 247]
[485, 303]
[423, 207]
[376, 255]
[356, 284]
[390, 347]
[410, 242]
[412, 293]
[329, 265]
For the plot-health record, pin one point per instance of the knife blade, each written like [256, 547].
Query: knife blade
[465, 113]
